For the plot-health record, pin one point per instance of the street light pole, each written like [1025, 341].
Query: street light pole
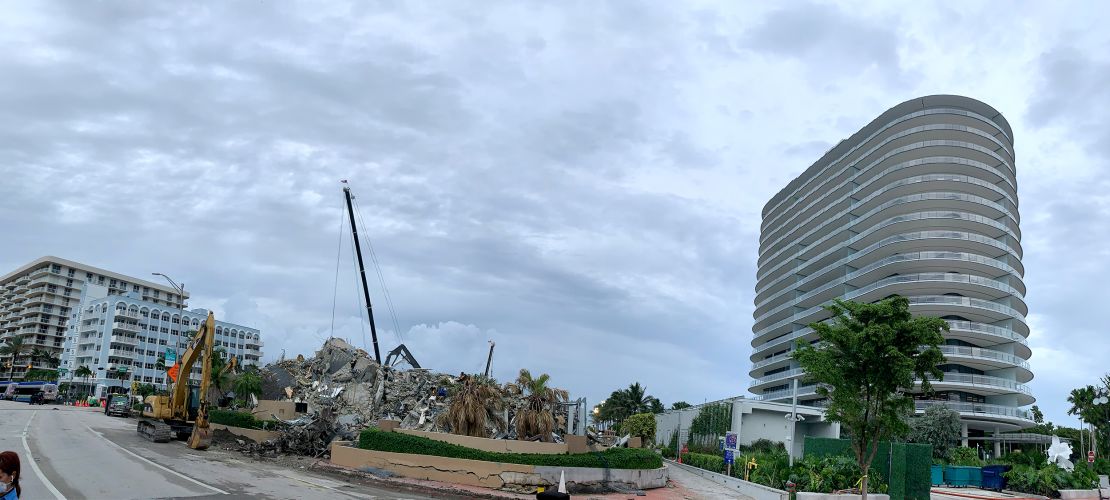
[181, 314]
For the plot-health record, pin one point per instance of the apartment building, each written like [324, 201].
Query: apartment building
[921, 202]
[38, 299]
[120, 338]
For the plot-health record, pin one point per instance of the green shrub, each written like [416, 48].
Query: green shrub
[238, 419]
[712, 463]
[966, 457]
[614, 458]
[640, 424]
[830, 473]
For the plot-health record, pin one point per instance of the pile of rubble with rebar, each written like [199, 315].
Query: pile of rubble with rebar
[342, 391]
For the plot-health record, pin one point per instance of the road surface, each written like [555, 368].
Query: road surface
[73, 453]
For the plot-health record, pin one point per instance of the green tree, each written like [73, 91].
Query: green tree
[678, 405]
[938, 426]
[44, 357]
[641, 425]
[865, 365]
[83, 372]
[40, 374]
[711, 422]
[1038, 417]
[13, 347]
[247, 383]
[536, 418]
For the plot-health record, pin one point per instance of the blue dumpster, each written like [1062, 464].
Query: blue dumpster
[993, 478]
[963, 476]
[937, 474]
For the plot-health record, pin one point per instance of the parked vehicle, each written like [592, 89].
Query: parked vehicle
[38, 398]
[118, 404]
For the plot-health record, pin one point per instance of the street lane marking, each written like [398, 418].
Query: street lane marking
[35, 467]
[144, 459]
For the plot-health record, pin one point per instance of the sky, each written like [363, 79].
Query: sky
[580, 182]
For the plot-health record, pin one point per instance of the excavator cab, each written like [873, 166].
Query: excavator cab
[184, 412]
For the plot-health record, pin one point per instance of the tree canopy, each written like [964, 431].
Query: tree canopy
[939, 426]
[865, 365]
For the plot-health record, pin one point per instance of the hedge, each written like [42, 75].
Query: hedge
[614, 458]
[910, 463]
[238, 419]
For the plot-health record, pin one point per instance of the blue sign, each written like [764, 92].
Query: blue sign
[728, 457]
[730, 441]
[171, 357]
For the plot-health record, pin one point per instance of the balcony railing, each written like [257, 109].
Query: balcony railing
[980, 353]
[776, 376]
[125, 340]
[977, 408]
[983, 381]
[125, 326]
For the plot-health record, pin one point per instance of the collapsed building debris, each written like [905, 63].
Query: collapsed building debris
[343, 390]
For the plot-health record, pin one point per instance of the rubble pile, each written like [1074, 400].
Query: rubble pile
[344, 391]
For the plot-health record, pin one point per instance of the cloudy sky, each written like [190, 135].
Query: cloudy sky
[580, 182]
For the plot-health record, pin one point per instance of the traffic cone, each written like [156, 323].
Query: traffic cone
[562, 482]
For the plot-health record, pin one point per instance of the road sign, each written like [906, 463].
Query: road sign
[171, 356]
[730, 441]
[62, 371]
[728, 457]
[1090, 457]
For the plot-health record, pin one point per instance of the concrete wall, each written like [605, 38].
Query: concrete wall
[752, 421]
[494, 445]
[267, 409]
[252, 434]
[489, 474]
[755, 491]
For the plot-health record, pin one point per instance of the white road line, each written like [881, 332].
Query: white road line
[35, 467]
[171, 471]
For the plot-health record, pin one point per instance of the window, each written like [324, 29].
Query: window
[134, 288]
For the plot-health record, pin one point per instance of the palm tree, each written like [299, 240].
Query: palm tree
[13, 347]
[83, 372]
[537, 417]
[476, 401]
[247, 383]
[45, 357]
[221, 371]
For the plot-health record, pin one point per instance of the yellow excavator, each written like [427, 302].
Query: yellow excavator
[184, 412]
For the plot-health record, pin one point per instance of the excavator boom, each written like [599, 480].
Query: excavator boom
[164, 415]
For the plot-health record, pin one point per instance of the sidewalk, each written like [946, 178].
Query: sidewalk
[939, 493]
[681, 486]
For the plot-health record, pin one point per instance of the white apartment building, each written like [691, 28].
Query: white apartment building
[38, 299]
[120, 337]
[921, 202]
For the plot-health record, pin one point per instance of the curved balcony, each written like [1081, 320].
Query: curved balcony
[803, 390]
[991, 312]
[783, 358]
[803, 189]
[984, 335]
[941, 181]
[755, 383]
[811, 314]
[945, 279]
[985, 385]
[978, 409]
[876, 231]
[986, 359]
[933, 201]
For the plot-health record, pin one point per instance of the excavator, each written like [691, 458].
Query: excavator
[184, 412]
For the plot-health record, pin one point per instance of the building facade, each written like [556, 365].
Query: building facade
[38, 299]
[121, 337]
[922, 202]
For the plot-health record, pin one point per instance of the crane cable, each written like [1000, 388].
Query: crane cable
[381, 277]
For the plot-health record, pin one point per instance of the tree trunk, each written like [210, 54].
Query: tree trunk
[863, 486]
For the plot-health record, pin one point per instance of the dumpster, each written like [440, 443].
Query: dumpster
[937, 474]
[993, 478]
[963, 476]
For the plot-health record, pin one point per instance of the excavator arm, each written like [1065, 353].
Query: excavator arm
[164, 413]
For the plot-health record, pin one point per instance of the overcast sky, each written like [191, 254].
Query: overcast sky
[580, 182]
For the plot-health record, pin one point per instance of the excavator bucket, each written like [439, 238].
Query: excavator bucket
[201, 437]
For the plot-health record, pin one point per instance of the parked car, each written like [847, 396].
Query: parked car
[118, 404]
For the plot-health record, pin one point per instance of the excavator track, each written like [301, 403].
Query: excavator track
[155, 431]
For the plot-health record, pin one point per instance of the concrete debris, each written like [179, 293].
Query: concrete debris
[346, 391]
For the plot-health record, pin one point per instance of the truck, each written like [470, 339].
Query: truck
[184, 411]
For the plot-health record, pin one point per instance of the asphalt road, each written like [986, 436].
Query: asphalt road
[73, 453]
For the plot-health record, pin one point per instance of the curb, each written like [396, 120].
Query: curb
[979, 497]
[436, 488]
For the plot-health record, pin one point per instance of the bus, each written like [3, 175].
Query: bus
[4, 389]
[22, 391]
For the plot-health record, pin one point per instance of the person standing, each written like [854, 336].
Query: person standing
[9, 476]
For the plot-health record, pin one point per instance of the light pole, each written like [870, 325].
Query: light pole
[181, 314]
[794, 418]
[1100, 400]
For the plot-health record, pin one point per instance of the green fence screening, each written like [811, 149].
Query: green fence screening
[904, 466]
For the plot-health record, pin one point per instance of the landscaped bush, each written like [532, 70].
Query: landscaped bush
[640, 424]
[614, 458]
[967, 457]
[238, 419]
[1049, 479]
[831, 473]
[712, 463]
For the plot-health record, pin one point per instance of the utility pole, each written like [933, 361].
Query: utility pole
[362, 272]
[794, 418]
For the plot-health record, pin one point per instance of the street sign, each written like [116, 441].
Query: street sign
[728, 457]
[171, 356]
[1090, 457]
[62, 371]
[730, 441]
